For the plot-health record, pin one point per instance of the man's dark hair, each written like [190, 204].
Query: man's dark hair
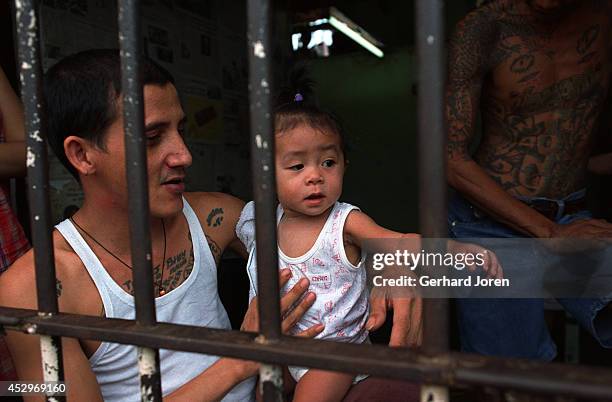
[81, 94]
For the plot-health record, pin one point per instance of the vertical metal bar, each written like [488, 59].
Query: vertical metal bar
[264, 185]
[38, 182]
[138, 196]
[432, 169]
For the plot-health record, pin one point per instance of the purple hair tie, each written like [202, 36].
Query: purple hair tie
[298, 97]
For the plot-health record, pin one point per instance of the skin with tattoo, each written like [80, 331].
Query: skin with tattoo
[538, 72]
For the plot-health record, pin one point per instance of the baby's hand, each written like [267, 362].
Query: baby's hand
[490, 264]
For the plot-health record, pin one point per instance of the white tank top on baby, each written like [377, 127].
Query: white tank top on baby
[195, 302]
[342, 297]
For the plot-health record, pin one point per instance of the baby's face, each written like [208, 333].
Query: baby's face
[309, 170]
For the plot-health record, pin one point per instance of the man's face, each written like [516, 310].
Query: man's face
[167, 155]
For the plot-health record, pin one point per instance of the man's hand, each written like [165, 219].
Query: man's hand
[580, 236]
[290, 318]
[491, 265]
[584, 229]
[407, 327]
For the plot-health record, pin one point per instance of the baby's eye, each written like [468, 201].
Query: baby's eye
[297, 167]
[329, 163]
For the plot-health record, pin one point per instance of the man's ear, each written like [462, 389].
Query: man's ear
[79, 153]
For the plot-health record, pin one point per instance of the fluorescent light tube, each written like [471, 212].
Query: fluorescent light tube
[353, 31]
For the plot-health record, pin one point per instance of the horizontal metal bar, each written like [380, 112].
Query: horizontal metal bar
[449, 369]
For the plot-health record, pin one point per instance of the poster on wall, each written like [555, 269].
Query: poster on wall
[204, 118]
[199, 50]
[203, 106]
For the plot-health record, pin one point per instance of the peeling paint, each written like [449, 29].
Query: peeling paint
[36, 217]
[36, 136]
[258, 141]
[259, 50]
[264, 83]
[430, 40]
[32, 20]
[50, 358]
[146, 361]
[270, 373]
[30, 158]
[25, 66]
[265, 168]
[265, 145]
[434, 393]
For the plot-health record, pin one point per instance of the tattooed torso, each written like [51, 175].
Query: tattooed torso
[543, 90]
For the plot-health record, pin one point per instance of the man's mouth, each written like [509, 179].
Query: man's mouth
[174, 184]
[176, 180]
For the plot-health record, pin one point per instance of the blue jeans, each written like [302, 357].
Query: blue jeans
[516, 327]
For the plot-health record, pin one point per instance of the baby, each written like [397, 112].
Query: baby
[320, 238]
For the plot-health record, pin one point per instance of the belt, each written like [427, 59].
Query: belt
[555, 209]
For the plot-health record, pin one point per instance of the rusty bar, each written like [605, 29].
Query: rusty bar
[28, 45]
[445, 369]
[138, 196]
[264, 185]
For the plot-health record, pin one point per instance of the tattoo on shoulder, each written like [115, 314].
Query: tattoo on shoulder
[215, 217]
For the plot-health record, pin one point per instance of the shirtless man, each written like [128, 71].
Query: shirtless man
[539, 72]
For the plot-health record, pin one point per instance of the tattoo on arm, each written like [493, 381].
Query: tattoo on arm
[215, 217]
[469, 53]
[214, 248]
[58, 287]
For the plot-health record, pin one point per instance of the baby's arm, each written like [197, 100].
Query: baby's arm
[407, 311]
[360, 227]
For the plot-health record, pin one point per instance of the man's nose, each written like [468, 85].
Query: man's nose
[180, 157]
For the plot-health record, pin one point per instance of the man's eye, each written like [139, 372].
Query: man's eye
[297, 167]
[329, 163]
[153, 138]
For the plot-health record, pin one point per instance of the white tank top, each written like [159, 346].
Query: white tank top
[194, 302]
[342, 296]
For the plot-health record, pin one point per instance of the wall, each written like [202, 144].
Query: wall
[375, 102]
[376, 99]
[203, 44]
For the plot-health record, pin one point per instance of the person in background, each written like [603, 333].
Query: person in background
[539, 73]
[13, 242]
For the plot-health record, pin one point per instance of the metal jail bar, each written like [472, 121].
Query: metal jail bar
[438, 366]
[138, 192]
[264, 186]
[38, 182]
[450, 369]
[431, 167]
